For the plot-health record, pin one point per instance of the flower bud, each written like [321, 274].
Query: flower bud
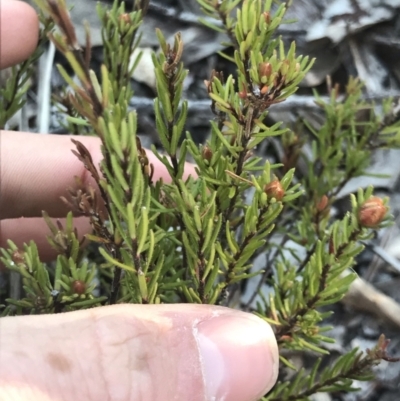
[323, 203]
[267, 17]
[206, 153]
[274, 190]
[125, 17]
[18, 257]
[265, 69]
[79, 287]
[372, 212]
[243, 93]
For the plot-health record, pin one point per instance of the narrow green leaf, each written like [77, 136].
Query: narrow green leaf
[115, 262]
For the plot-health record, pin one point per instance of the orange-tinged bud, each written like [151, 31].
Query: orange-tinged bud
[264, 90]
[265, 69]
[274, 190]
[372, 212]
[243, 94]
[323, 203]
[18, 257]
[206, 153]
[267, 17]
[79, 287]
[125, 17]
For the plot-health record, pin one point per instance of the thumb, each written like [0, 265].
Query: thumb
[136, 352]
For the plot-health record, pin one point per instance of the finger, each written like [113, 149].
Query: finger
[36, 170]
[19, 31]
[24, 230]
[131, 352]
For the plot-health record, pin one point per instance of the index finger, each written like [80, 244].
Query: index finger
[36, 170]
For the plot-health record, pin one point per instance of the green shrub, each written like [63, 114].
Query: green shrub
[194, 240]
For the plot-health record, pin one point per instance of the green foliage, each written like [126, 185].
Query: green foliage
[194, 239]
[338, 377]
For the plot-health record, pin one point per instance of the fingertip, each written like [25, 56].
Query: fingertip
[19, 32]
[239, 357]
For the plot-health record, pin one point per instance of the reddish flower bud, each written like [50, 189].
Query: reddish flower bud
[79, 287]
[125, 17]
[323, 203]
[18, 257]
[372, 212]
[264, 90]
[243, 94]
[274, 190]
[206, 153]
[265, 69]
[267, 17]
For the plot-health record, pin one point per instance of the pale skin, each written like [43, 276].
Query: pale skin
[115, 353]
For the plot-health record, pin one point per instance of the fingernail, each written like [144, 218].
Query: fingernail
[239, 357]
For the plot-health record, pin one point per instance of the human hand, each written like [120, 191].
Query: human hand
[137, 352]
[123, 352]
